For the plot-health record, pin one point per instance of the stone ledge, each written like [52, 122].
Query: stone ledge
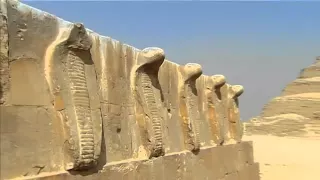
[234, 160]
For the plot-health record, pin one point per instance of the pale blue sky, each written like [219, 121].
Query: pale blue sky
[260, 45]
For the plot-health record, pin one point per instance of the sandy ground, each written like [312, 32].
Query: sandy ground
[286, 158]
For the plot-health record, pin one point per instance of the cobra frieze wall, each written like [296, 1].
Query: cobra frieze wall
[78, 105]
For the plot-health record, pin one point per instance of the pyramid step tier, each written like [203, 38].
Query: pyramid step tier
[306, 104]
[293, 125]
[299, 86]
[311, 71]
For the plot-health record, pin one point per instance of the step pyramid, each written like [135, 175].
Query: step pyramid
[296, 112]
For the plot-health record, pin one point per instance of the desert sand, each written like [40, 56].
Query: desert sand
[287, 158]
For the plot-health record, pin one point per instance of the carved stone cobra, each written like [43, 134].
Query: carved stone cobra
[213, 95]
[65, 72]
[235, 125]
[149, 94]
[188, 105]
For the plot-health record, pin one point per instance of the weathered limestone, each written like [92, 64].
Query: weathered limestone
[235, 126]
[170, 82]
[78, 105]
[189, 110]
[224, 162]
[206, 138]
[233, 129]
[149, 100]
[296, 112]
[71, 78]
[114, 62]
[212, 107]
[4, 53]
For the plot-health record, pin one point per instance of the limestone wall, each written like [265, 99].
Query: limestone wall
[296, 112]
[75, 104]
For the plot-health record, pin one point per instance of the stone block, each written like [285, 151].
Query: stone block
[31, 32]
[173, 167]
[188, 166]
[203, 165]
[229, 160]
[245, 154]
[144, 171]
[31, 142]
[123, 171]
[249, 172]
[27, 84]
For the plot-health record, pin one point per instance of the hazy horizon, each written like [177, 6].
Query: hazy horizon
[260, 45]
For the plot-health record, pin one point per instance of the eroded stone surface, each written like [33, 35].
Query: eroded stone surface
[233, 128]
[4, 53]
[208, 164]
[205, 125]
[31, 142]
[26, 74]
[66, 72]
[169, 78]
[235, 125]
[149, 100]
[215, 114]
[189, 106]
